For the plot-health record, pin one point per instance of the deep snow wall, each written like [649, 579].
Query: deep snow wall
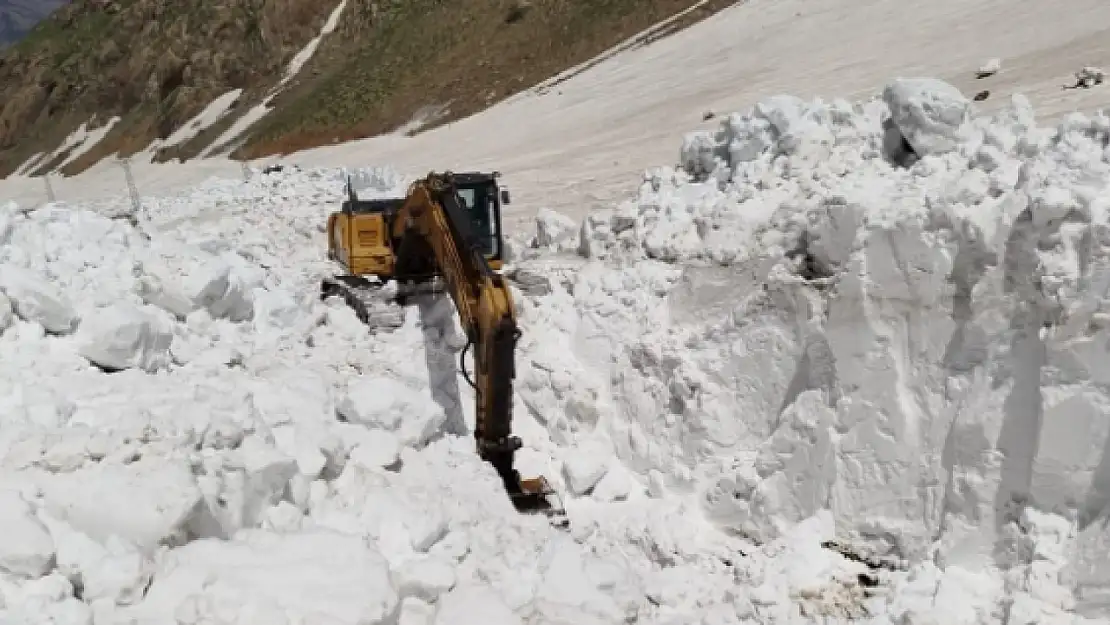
[895, 310]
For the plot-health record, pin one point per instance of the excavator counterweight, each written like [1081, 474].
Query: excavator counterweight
[444, 235]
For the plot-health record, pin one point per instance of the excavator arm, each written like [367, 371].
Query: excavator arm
[435, 237]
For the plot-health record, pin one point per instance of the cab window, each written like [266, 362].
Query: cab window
[482, 207]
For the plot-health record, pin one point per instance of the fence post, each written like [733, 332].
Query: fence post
[133, 193]
[50, 197]
[132, 190]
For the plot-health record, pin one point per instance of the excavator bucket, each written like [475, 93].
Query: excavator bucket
[536, 496]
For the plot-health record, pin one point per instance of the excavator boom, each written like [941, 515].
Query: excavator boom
[431, 235]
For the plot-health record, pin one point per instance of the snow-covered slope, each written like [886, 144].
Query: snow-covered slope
[811, 376]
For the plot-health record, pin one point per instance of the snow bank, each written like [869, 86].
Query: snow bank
[909, 343]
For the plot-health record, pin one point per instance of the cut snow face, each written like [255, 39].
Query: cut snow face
[844, 365]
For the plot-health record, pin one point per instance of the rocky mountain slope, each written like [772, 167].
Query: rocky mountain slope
[148, 67]
[17, 17]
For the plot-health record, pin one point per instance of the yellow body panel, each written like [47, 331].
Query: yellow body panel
[360, 244]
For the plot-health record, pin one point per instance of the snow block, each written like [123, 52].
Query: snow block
[929, 113]
[314, 576]
[26, 548]
[585, 468]
[125, 336]
[390, 405]
[222, 290]
[36, 299]
[553, 229]
[474, 603]
[115, 570]
[700, 154]
[159, 289]
[147, 503]
[425, 578]
[376, 449]
[286, 395]
[274, 310]
[266, 472]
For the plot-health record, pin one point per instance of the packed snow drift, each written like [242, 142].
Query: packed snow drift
[844, 364]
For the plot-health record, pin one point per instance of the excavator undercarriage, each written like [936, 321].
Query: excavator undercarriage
[379, 305]
[444, 236]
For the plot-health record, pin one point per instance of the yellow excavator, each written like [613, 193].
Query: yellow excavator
[445, 234]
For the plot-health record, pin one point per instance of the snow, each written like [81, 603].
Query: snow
[124, 336]
[843, 366]
[29, 549]
[238, 127]
[989, 68]
[29, 165]
[302, 57]
[928, 114]
[846, 365]
[89, 140]
[35, 298]
[73, 147]
[212, 113]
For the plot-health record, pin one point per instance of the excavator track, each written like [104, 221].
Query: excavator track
[371, 302]
[379, 305]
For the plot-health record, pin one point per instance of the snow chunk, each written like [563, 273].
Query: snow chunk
[426, 530]
[387, 404]
[425, 578]
[474, 603]
[36, 299]
[585, 468]
[553, 229]
[416, 612]
[223, 290]
[159, 289]
[147, 503]
[990, 68]
[929, 113]
[26, 547]
[274, 310]
[124, 336]
[115, 571]
[314, 576]
[376, 449]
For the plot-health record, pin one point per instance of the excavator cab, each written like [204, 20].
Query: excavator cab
[359, 232]
[483, 199]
